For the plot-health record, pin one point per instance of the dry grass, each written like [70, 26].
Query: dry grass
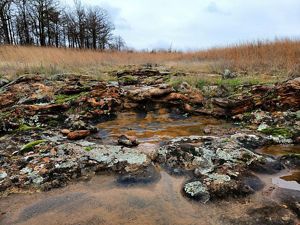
[259, 56]
[274, 58]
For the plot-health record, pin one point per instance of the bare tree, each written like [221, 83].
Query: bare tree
[117, 43]
[5, 19]
[46, 23]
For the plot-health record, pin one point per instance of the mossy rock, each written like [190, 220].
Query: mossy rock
[278, 131]
[60, 99]
[128, 80]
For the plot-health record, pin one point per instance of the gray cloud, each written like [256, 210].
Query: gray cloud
[193, 24]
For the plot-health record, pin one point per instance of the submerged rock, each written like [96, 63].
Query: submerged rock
[128, 141]
[3, 175]
[147, 175]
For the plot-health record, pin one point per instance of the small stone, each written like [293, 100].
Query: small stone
[3, 82]
[262, 127]
[53, 151]
[65, 131]
[38, 180]
[207, 130]
[297, 140]
[128, 140]
[188, 107]
[25, 170]
[43, 171]
[228, 74]
[79, 134]
[46, 159]
[3, 175]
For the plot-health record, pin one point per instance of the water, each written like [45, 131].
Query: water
[279, 150]
[290, 179]
[157, 126]
[101, 201]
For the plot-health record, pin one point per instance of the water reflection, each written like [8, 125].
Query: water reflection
[156, 126]
[279, 150]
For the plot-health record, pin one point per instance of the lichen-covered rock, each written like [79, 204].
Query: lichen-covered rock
[220, 164]
[205, 152]
[116, 158]
[197, 190]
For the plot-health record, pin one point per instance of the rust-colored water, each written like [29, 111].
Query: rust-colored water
[156, 126]
[101, 201]
[279, 150]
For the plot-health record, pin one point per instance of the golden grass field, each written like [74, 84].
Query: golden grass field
[279, 58]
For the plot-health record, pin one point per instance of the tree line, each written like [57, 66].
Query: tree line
[48, 23]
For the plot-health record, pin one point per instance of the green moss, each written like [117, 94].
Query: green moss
[230, 83]
[25, 127]
[29, 146]
[128, 79]
[278, 131]
[175, 83]
[201, 83]
[60, 99]
[88, 149]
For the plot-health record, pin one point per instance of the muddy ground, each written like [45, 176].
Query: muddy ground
[226, 146]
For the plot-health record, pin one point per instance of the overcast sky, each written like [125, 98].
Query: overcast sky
[196, 24]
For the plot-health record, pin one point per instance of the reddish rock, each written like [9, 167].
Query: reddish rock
[46, 159]
[176, 96]
[94, 103]
[188, 108]
[78, 134]
[7, 99]
[285, 96]
[196, 98]
[46, 108]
